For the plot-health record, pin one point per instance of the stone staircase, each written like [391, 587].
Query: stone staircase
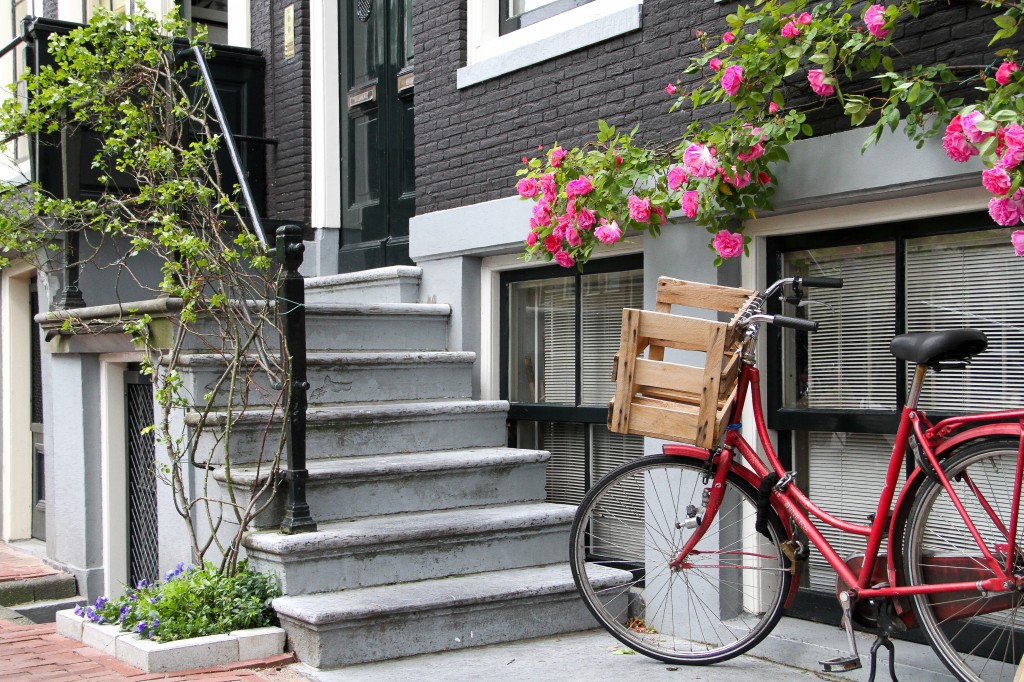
[30, 590]
[432, 534]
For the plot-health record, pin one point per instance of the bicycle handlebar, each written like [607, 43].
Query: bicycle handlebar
[823, 282]
[795, 323]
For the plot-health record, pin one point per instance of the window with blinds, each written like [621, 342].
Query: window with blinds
[837, 395]
[561, 332]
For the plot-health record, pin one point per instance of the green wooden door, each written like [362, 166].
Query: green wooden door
[378, 179]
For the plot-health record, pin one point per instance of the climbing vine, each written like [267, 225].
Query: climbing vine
[779, 61]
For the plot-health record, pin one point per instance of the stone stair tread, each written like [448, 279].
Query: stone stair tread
[373, 358]
[396, 309]
[379, 412]
[372, 466]
[347, 535]
[438, 593]
[364, 276]
[46, 587]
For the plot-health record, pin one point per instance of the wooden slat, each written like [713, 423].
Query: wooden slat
[618, 418]
[659, 419]
[706, 422]
[677, 331]
[668, 375]
[700, 295]
[730, 375]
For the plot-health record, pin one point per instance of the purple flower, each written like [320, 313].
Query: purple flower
[141, 627]
[79, 611]
[142, 584]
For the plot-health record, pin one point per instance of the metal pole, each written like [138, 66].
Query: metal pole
[291, 307]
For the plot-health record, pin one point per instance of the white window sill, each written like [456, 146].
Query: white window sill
[587, 25]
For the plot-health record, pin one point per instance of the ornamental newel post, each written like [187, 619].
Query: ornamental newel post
[291, 306]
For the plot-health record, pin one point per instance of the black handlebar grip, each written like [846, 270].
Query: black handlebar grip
[795, 323]
[823, 282]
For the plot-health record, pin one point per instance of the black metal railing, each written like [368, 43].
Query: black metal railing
[291, 309]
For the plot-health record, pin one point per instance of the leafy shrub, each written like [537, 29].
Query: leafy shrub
[191, 602]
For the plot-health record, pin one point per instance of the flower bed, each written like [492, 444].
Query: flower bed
[182, 654]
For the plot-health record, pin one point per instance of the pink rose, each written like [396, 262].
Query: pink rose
[969, 122]
[816, 77]
[639, 209]
[542, 213]
[764, 178]
[1007, 210]
[527, 187]
[557, 154]
[732, 78]
[1018, 242]
[585, 219]
[676, 177]
[804, 18]
[955, 143]
[773, 108]
[670, 89]
[531, 238]
[874, 19]
[728, 244]
[996, 180]
[564, 259]
[790, 30]
[658, 211]
[699, 162]
[756, 150]
[552, 243]
[728, 37]
[1005, 72]
[573, 236]
[736, 180]
[608, 233]
[715, 63]
[548, 187]
[690, 203]
[1013, 141]
[579, 187]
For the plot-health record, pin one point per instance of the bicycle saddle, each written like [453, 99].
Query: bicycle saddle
[935, 348]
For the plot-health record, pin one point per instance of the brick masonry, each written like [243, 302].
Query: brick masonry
[288, 114]
[469, 142]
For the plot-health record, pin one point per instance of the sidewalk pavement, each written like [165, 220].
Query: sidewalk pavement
[34, 653]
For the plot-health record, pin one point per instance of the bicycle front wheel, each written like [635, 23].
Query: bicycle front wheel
[630, 527]
[978, 636]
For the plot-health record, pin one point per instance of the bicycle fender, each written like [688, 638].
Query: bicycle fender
[702, 455]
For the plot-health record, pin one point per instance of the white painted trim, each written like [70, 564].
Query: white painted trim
[15, 327]
[490, 307]
[114, 471]
[325, 115]
[239, 23]
[490, 55]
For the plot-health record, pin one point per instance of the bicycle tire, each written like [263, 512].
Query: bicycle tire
[692, 616]
[976, 636]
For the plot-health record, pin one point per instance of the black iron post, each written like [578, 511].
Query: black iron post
[291, 307]
[70, 296]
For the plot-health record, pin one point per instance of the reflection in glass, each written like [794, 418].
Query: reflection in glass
[542, 341]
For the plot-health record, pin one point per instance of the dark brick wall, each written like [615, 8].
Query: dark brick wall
[288, 96]
[469, 142]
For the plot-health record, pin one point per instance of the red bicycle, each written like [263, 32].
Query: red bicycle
[691, 556]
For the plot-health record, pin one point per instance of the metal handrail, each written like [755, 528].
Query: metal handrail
[232, 147]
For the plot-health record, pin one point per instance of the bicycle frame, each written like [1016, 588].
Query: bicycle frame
[934, 443]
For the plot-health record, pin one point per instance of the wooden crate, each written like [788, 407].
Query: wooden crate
[670, 400]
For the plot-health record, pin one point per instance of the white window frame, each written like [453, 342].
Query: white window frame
[489, 55]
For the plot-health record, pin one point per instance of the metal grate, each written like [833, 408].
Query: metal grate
[143, 547]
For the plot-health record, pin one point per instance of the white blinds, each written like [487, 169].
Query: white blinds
[604, 297]
[565, 482]
[847, 363]
[970, 280]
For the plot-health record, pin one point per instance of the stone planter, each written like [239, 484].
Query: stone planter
[165, 657]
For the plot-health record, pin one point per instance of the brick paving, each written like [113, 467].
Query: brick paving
[36, 653]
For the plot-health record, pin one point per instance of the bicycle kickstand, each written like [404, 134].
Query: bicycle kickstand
[883, 641]
[842, 664]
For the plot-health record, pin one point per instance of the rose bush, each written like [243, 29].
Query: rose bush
[721, 174]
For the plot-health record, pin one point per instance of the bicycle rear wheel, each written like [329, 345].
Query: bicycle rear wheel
[635, 520]
[977, 636]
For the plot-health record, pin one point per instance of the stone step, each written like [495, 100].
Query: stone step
[414, 546]
[45, 611]
[396, 284]
[38, 588]
[390, 484]
[336, 378]
[351, 626]
[361, 430]
[335, 327]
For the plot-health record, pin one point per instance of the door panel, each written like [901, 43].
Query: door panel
[378, 187]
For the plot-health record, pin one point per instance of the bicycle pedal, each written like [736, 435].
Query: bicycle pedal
[840, 664]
